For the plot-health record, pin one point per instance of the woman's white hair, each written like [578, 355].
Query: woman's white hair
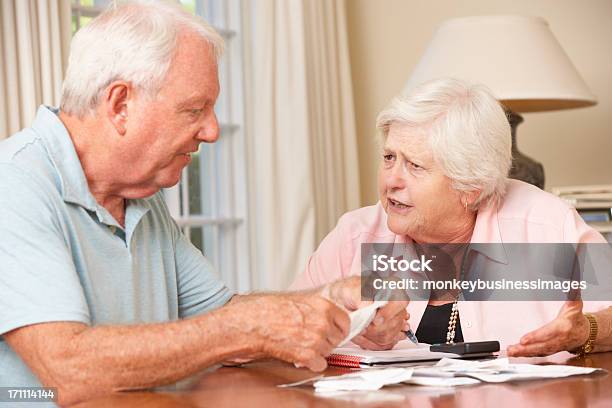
[133, 41]
[467, 130]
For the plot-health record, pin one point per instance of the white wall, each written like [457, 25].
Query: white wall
[387, 38]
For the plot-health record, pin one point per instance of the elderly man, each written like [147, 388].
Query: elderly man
[99, 289]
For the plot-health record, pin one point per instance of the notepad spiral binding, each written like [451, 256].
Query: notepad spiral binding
[343, 360]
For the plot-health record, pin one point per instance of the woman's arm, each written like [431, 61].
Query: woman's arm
[568, 331]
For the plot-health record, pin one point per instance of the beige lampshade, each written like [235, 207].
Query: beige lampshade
[517, 57]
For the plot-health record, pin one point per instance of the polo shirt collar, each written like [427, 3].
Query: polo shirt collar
[73, 183]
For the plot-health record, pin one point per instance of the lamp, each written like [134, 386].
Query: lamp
[519, 59]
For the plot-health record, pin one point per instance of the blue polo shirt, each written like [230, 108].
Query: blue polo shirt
[63, 257]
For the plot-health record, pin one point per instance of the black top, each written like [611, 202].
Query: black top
[434, 325]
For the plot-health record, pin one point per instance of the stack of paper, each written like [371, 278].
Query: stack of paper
[496, 371]
[363, 380]
[447, 373]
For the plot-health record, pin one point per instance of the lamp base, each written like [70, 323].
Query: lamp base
[523, 167]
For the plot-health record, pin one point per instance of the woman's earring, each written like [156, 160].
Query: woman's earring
[465, 204]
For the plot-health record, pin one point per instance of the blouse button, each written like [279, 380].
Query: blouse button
[468, 324]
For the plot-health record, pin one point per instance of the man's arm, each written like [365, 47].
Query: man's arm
[84, 362]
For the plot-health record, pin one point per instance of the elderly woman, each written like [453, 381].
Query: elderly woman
[443, 179]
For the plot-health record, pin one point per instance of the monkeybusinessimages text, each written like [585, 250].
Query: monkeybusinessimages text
[386, 264]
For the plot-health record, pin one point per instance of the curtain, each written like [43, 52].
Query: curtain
[34, 40]
[301, 140]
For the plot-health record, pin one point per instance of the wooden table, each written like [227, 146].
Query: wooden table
[254, 385]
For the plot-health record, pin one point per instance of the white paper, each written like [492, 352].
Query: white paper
[452, 372]
[447, 373]
[441, 382]
[361, 318]
[363, 380]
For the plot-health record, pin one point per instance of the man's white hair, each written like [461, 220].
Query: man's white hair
[467, 130]
[133, 41]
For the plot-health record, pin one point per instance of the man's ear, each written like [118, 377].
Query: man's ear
[117, 95]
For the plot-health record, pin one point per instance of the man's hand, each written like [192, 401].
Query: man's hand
[569, 330]
[388, 325]
[301, 329]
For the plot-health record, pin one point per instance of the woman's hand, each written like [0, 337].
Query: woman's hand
[568, 331]
[387, 328]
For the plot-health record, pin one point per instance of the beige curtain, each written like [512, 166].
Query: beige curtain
[34, 41]
[302, 154]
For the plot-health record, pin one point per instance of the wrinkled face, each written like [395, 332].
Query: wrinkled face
[164, 130]
[418, 198]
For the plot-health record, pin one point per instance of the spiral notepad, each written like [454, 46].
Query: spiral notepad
[404, 353]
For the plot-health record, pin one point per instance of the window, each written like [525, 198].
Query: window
[83, 11]
[210, 202]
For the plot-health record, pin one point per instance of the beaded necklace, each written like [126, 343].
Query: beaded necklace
[452, 321]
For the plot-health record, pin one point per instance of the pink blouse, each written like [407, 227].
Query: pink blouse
[526, 214]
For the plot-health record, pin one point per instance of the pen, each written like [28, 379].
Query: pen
[411, 336]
